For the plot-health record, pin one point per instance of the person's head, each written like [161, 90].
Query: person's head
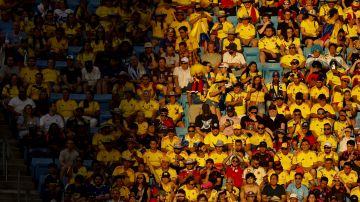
[235, 161]
[215, 128]
[327, 129]
[347, 167]
[350, 144]
[183, 31]
[153, 144]
[238, 145]
[209, 163]
[261, 128]
[250, 178]
[273, 110]
[329, 162]
[298, 178]
[305, 145]
[22, 94]
[255, 162]
[206, 109]
[287, 13]
[269, 31]
[299, 98]
[181, 195]
[238, 87]
[297, 114]
[184, 62]
[274, 179]
[231, 48]
[253, 110]
[32, 62]
[202, 198]
[98, 179]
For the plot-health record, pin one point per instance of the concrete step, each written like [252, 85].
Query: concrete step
[15, 177]
[12, 196]
[24, 185]
[22, 199]
[13, 170]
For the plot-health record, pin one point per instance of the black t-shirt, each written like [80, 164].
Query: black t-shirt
[205, 122]
[275, 124]
[71, 75]
[270, 192]
[249, 124]
[283, 26]
[162, 76]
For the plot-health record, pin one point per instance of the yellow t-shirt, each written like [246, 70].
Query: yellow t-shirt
[92, 108]
[171, 171]
[239, 109]
[257, 138]
[327, 108]
[317, 126]
[216, 98]
[218, 158]
[315, 92]
[108, 157]
[309, 27]
[350, 31]
[339, 96]
[28, 75]
[201, 161]
[83, 57]
[291, 123]
[157, 30]
[66, 108]
[285, 160]
[34, 90]
[51, 75]
[355, 191]
[246, 32]
[257, 96]
[271, 43]
[129, 172]
[176, 25]
[226, 42]
[292, 89]
[304, 108]
[324, 10]
[173, 157]
[222, 33]
[167, 143]
[127, 107]
[242, 11]
[330, 174]
[351, 178]
[322, 139]
[355, 92]
[81, 171]
[11, 92]
[283, 177]
[331, 77]
[305, 160]
[71, 30]
[295, 41]
[192, 141]
[128, 155]
[191, 43]
[98, 139]
[142, 127]
[153, 158]
[98, 47]
[147, 108]
[174, 110]
[286, 59]
[57, 46]
[211, 139]
[323, 156]
[230, 77]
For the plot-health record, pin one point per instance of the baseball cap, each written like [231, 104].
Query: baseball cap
[327, 144]
[230, 108]
[305, 125]
[148, 45]
[284, 145]
[184, 60]
[70, 57]
[293, 195]
[263, 144]
[161, 193]
[236, 126]
[215, 125]
[165, 175]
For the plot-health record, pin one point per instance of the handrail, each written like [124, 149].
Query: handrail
[5, 156]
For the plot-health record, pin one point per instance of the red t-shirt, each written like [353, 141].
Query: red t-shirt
[236, 174]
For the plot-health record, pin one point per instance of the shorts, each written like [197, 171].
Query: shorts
[270, 57]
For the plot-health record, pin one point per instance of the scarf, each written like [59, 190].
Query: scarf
[253, 14]
[198, 86]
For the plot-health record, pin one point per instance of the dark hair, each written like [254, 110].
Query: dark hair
[253, 107]
[247, 71]
[299, 174]
[184, 28]
[323, 178]
[248, 175]
[351, 142]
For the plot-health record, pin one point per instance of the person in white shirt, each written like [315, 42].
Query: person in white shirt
[136, 69]
[235, 60]
[182, 74]
[17, 104]
[50, 118]
[90, 74]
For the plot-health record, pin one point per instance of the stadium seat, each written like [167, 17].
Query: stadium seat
[59, 65]
[138, 49]
[233, 20]
[104, 117]
[249, 51]
[274, 20]
[181, 132]
[72, 4]
[307, 52]
[87, 164]
[92, 5]
[94, 130]
[77, 97]
[41, 184]
[268, 70]
[37, 166]
[55, 96]
[41, 63]
[103, 97]
[74, 50]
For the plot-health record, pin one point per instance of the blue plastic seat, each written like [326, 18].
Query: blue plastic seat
[306, 52]
[55, 96]
[77, 97]
[41, 184]
[94, 130]
[138, 49]
[102, 97]
[87, 164]
[268, 70]
[104, 117]
[233, 20]
[59, 65]
[72, 4]
[41, 63]
[93, 5]
[37, 164]
[74, 50]
[274, 20]
[181, 132]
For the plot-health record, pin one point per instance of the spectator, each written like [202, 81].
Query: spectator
[67, 157]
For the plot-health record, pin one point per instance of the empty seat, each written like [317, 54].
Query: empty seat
[41, 63]
[72, 4]
[59, 65]
[138, 49]
[233, 20]
[87, 164]
[104, 117]
[181, 132]
[102, 97]
[269, 68]
[274, 20]
[55, 96]
[37, 164]
[74, 50]
[77, 97]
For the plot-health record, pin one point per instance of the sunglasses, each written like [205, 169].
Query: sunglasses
[235, 161]
[253, 112]
[327, 128]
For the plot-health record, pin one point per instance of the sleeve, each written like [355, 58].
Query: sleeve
[261, 44]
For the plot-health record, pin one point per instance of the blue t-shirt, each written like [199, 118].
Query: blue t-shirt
[301, 192]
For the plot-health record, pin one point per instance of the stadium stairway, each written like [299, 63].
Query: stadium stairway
[16, 184]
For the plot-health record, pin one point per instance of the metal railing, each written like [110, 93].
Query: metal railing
[5, 157]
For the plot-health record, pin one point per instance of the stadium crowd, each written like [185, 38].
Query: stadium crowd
[223, 100]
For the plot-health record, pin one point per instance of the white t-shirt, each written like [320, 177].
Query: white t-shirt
[47, 120]
[91, 77]
[238, 58]
[184, 76]
[19, 105]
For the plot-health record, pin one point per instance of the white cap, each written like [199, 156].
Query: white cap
[293, 195]
[224, 64]
[327, 144]
[148, 45]
[184, 60]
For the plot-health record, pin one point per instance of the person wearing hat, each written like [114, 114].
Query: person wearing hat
[182, 74]
[248, 9]
[223, 74]
[322, 103]
[325, 9]
[191, 42]
[293, 197]
[214, 95]
[189, 171]
[208, 191]
[310, 29]
[281, 106]
[177, 156]
[235, 60]
[193, 138]
[268, 46]
[167, 185]
[165, 168]
[327, 152]
[274, 120]
[109, 155]
[284, 157]
[246, 31]
[339, 91]
[104, 133]
[161, 196]
[222, 26]
[231, 38]
[296, 86]
[126, 168]
[227, 121]
[276, 88]
[131, 152]
[236, 99]
[285, 61]
[212, 138]
[218, 155]
[147, 105]
[342, 129]
[180, 20]
[251, 197]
